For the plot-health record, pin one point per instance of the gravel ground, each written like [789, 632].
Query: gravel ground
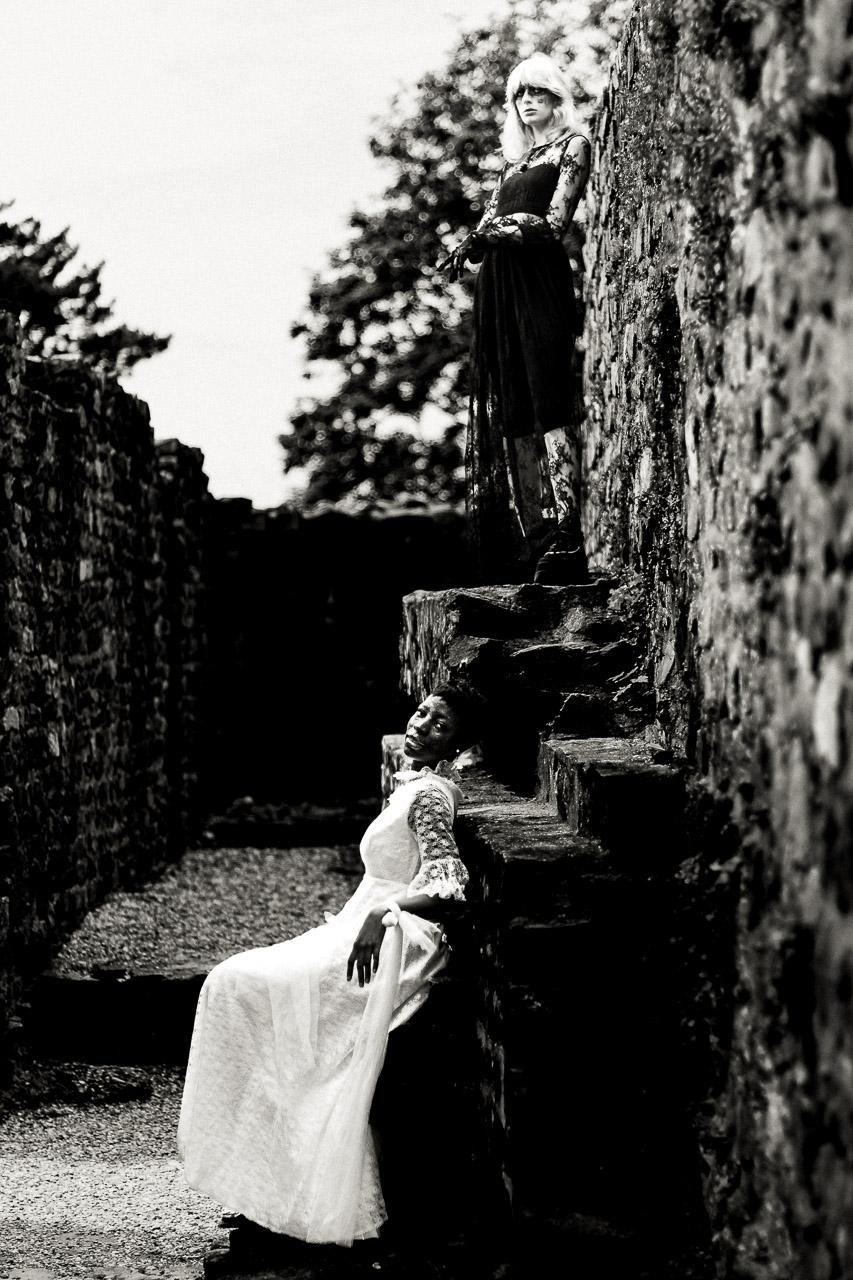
[213, 903]
[89, 1191]
[96, 1191]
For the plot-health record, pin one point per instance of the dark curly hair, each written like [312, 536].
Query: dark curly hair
[468, 706]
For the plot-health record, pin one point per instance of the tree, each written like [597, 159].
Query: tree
[58, 303]
[380, 314]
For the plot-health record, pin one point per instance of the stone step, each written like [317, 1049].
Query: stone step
[447, 632]
[570, 664]
[615, 939]
[539, 1015]
[535, 863]
[538, 948]
[621, 791]
[603, 711]
[592, 1245]
[114, 1016]
[580, 1244]
[434, 619]
[578, 1013]
[573, 876]
[552, 659]
[585, 1245]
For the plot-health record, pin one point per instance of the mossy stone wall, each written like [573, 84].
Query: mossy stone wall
[718, 458]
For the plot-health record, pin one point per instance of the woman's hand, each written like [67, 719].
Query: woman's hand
[364, 957]
[453, 264]
[470, 249]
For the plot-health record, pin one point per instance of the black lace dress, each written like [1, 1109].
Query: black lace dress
[523, 383]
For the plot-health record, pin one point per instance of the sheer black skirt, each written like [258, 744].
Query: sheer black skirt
[523, 383]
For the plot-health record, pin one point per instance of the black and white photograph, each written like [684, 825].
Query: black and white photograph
[426, 640]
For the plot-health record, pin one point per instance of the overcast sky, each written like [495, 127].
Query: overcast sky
[210, 151]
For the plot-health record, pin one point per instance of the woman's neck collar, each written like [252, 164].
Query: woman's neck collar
[441, 769]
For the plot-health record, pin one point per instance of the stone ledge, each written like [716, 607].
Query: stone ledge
[471, 631]
[114, 1017]
[606, 787]
[434, 620]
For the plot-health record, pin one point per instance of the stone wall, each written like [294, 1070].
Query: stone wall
[718, 465]
[100, 546]
[576, 932]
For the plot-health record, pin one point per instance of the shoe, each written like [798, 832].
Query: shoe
[561, 568]
[562, 561]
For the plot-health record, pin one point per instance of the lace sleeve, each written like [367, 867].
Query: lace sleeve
[471, 246]
[492, 202]
[574, 172]
[529, 228]
[442, 872]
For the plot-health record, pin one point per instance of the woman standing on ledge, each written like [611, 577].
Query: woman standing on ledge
[289, 1039]
[523, 453]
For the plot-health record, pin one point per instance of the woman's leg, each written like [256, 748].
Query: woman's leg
[564, 560]
[544, 473]
[530, 489]
[564, 473]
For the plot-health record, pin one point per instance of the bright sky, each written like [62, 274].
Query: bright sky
[210, 151]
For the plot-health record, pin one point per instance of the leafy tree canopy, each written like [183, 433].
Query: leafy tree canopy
[380, 319]
[58, 302]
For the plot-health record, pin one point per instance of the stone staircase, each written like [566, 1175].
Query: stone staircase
[566, 660]
[539, 1087]
[572, 837]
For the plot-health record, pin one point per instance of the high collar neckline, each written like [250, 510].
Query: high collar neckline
[444, 769]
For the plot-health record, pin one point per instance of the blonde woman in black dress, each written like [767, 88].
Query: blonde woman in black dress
[523, 454]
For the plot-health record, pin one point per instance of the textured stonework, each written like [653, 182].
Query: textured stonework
[100, 555]
[718, 464]
[576, 934]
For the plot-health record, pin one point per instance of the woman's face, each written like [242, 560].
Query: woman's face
[535, 107]
[431, 732]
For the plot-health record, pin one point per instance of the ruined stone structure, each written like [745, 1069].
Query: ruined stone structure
[571, 958]
[715, 769]
[100, 548]
[660, 844]
[718, 466]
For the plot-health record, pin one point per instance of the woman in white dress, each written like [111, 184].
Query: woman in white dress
[289, 1039]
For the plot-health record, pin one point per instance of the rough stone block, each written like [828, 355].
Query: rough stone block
[114, 1016]
[443, 630]
[614, 790]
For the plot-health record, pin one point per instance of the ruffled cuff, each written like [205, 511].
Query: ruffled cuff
[441, 878]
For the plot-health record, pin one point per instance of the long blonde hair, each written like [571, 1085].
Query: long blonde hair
[539, 72]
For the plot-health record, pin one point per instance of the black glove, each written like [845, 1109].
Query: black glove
[476, 247]
[470, 249]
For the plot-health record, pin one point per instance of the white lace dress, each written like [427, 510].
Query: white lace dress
[286, 1053]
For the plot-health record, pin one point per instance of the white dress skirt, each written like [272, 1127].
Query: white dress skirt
[286, 1052]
